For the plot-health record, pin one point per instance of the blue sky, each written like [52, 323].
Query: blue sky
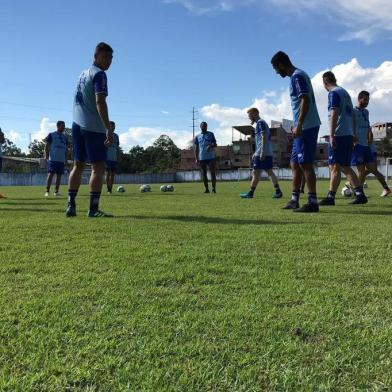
[171, 55]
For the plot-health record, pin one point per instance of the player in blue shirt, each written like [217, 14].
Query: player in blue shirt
[342, 128]
[205, 144]
[56, 155]
[306, 128]
[2, 141]
[113, 156]
[91, 130]
[262, 158]
[363, 155]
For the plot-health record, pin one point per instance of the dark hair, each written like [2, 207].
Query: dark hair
[281, 58]
[363, 94]
[203, 122]
[60, 122]
[112, 123]
[329, 77]
[103, 47]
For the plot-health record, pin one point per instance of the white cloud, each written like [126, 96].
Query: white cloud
[203, 7]
[364, 20]
[14, 136]
[351, 75]
[46, 126]
[145, 136]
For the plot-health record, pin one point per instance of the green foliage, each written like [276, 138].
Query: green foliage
[36, 149]
[194, 292]
[10, 149]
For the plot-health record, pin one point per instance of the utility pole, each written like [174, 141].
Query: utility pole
[193, 122]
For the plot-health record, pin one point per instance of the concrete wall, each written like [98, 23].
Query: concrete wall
[39, 179]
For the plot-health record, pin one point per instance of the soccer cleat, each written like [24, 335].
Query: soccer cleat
[385, 192]
[361, 199]
[310, 207]
[57, 194]
[98, 214]
[46, 194]
[2, 196]
[291, 205]
[207, 191]
[328, 201]
[70, 211]
[246, 195]
[277, 195]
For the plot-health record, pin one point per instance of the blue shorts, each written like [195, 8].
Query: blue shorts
[342, 154]
[88, 146]
[374, 156]
[111, 166]
[361, 155]
[258, 164]
[207, 161]
[305, 146]
[56, 167]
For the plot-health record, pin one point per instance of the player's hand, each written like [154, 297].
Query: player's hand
[109, 138]
[297, 132]
[262, 157]
[332, 142]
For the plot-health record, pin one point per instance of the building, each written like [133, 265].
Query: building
[382, 130]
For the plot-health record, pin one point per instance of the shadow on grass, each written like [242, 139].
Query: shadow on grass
[365, 212]
[209, 219]
[31, 209]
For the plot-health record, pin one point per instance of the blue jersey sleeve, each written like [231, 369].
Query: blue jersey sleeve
[196, 141]
[300, 87]
[214, 140]
[333, 100]
[100, 83]
[49, 138]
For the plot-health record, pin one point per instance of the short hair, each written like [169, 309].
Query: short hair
[281, 58]
[60, 122]
[329, 77]
[203, 122]
[253, 110]
[103, 47]
[112, 123]
[363, 94]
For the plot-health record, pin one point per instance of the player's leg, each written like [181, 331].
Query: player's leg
[297, 177]
[253, 185]
[371, 167]
[352, 177]
[275, 182]
[49, 182]
[362, 173]
[303, 182]
[212, 167]
[109, 180]
[203, 167]
[58, 183]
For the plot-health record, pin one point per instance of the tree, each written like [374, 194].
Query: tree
[11, 149]
[166, 154]
[37, 149]
[385, 148]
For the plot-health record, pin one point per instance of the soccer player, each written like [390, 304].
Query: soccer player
[56, 155]
[2, 141]
[306, 128]
[91, 130]
[113, 156]
[262, 158]
[205, 143]
[342, 129]
[363, 156]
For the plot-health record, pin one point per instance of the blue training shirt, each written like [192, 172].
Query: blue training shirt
[58, 146]
[363, 125]
[204, 140]
[263, 131]
[112, 151]
[92, 81]
[339, 98]
[300, 84]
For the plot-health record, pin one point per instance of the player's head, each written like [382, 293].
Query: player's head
[60, 126]
[329, 80]
[203, 126]
[253, 115]
[113, 125]
[282, 64]
[363, 99]
[103, 56]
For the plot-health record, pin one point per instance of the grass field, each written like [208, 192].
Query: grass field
[194, 292]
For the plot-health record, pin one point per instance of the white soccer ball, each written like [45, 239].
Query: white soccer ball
[163, 188]
[365, 185]
[346, 191]
[145, 188]
[120, 189]
[169, 188]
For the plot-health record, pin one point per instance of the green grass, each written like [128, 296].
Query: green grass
[194, 292]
